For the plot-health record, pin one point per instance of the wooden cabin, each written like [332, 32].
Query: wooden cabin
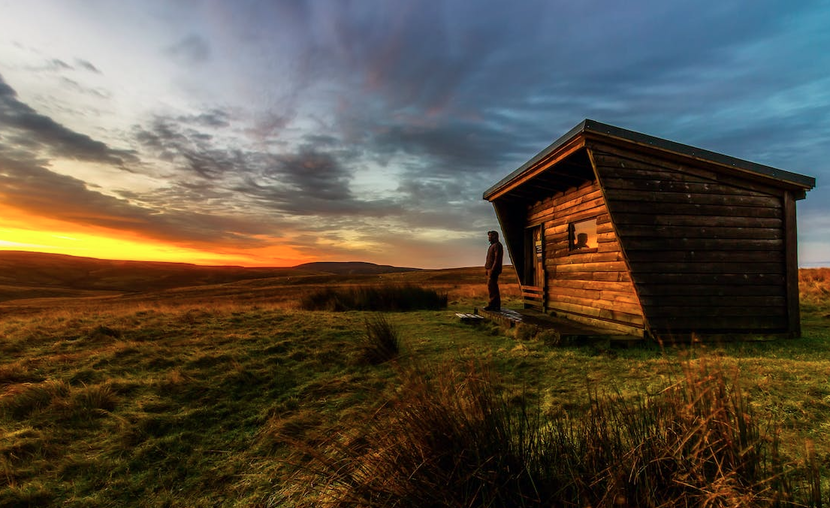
[647, 237]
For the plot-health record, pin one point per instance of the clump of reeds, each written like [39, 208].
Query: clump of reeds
[57, 400]
[695, 443]
[449, 438]
[18, 372]
[382, 341]
[93, 400]
[385, 298]
[22, 399]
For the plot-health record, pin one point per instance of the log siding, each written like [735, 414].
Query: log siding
[705, 255]
[591, 287]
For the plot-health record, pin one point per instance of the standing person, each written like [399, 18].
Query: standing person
[492, 266]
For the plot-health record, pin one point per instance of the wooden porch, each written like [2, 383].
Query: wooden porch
[568, 329]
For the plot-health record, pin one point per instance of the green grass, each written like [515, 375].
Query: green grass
[195, 401]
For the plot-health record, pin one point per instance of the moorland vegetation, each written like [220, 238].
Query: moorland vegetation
[232, 395]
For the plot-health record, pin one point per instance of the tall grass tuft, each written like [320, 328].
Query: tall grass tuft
[382, 340]
[448, 438]
[20, 400]
[15, 373]
[27, 495]
[93, 400]
[695, 443]
[385, 298]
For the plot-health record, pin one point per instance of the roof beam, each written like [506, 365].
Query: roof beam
[540, 167]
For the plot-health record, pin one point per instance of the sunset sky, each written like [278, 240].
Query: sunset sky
[273, 133]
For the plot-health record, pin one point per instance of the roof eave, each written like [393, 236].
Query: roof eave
[769, 173]
[539, 157]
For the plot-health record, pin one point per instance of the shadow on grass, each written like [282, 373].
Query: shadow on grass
[389, 298]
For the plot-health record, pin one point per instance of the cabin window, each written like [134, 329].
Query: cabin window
[583, 235]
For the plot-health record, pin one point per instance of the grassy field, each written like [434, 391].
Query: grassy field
[198, 396]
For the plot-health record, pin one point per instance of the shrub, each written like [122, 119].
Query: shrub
[525, 332]
[449, 439]
[551, 338]
[104, 332]
[388, 298]
[382, 341]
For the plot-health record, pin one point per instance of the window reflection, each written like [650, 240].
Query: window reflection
[583, 234]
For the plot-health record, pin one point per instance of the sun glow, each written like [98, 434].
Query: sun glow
[59, 237]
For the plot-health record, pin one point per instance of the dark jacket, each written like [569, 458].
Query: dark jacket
[495, 254]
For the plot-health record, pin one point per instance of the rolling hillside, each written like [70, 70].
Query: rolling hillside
[39, 275]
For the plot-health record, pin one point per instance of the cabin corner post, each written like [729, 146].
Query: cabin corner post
[791, 257]
[646, 326]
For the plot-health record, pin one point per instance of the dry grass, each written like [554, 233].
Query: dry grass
[187, 397]
[20, 400]
[814, 285]
[450, 438]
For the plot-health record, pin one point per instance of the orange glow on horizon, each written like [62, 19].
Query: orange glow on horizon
[58, 237]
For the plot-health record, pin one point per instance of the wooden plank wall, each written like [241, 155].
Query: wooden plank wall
[590, 287]
[707, 253]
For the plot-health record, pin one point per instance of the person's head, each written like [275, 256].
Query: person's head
[493, 236]
[582, 239]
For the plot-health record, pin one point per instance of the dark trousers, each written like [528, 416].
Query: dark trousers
[493, 290]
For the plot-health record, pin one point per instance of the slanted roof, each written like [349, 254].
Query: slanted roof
[586, 128]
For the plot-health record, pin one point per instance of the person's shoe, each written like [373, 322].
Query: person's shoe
[494, 309]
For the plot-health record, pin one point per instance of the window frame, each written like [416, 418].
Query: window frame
[572, 227]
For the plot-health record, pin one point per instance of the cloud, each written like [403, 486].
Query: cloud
[312, 174]
[86, 65]
[268, 124]
[433, 101]
[74, 85]
[57, 64]
[311, 180]
[29, 141]
[308, 182]
[215, 118]
[23, 128]
[171, 140]
[32, 188]
[192, 49]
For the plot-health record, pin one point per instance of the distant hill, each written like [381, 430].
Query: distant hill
[19, 270]
[352, 268]
[38, 275]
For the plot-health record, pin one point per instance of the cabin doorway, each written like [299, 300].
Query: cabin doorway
[533, 281]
